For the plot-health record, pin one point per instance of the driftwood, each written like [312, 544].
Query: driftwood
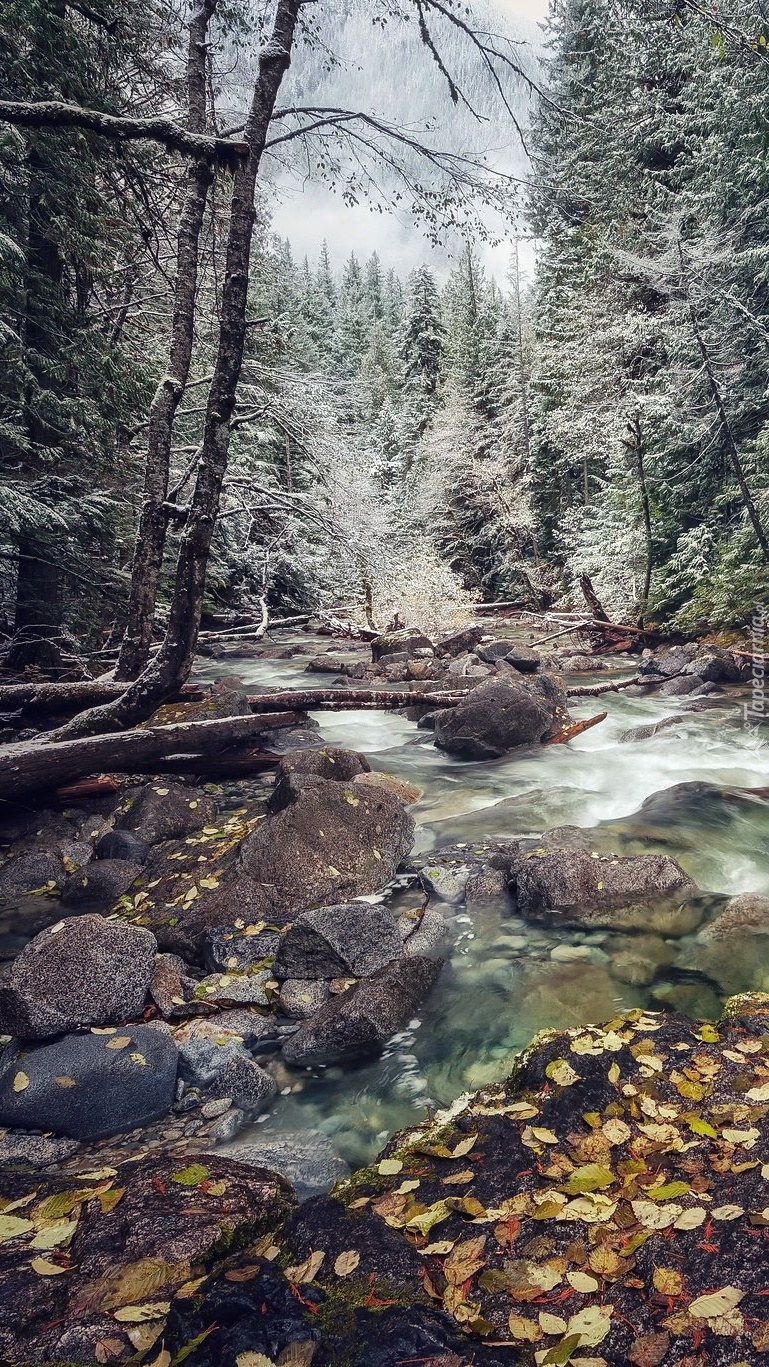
[575, 729]
[31, 765]
[593, 601]
[322, 699]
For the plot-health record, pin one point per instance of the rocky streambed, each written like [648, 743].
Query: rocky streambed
[208, 986]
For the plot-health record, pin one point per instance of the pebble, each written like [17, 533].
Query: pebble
[212, 1109]
[227, 1126]
[569, 954]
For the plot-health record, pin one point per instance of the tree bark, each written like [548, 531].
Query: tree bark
[171, 665]
[153, 523]
[593, 601]
[122, 128]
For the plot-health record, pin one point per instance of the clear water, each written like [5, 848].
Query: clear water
[502, 983]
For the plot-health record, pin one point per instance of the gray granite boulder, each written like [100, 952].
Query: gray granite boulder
[99, 885]
[333, 942]
[82, 971]
[576, 887]
[164, 811]
[329, 762]
[500, 716]
[89, 1086]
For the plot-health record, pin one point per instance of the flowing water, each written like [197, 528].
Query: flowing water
[504, 979]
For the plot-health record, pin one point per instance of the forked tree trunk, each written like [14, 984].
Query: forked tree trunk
[171, 666]
[153, 522]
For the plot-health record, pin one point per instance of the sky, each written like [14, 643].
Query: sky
[525, 9]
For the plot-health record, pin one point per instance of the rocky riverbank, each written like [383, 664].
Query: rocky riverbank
[606, 1205]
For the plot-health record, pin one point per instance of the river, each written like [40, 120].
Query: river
[505, 980]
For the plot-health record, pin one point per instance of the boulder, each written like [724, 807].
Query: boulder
[354, 939]
[230, 949]
[637, 959]
[35, 1150]
[746, 914]
[580, 664]
[574, 887]
[445, 882]
[157, 1225]
[89, 1086]
[301, 998]
[430, 938]
[308, 1161]
[358, 1023]
[227, 989]
[670, 660]
[494, 650]
[406, 792]
[82, 971]
[716, 666]
[732, 950]
[164, 811]
[240, 1023]
[524, 659]
[637, 733]
[224, 1068]
[172, 989]
[499, 716]
[330, 762]
[121, 845]
[680, 687]
[459, 642]
[100, 884]
[29, 872]
[404, 642]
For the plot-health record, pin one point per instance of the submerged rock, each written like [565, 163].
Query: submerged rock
[500, 716]
[89, 1086]
[308, 1161]
[574, 887]
[82, 971]
[358, 1023]
[732, 950]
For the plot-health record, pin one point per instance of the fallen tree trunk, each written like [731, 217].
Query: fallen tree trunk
[38, 764]
[322, 699]
[64, 697]
[575, 729]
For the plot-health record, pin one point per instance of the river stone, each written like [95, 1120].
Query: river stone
[459, 642]
[445, 883]
[229, 949]
[247, 1085]
[680, 688]
[115, 1088]
[746, 914]
[406, 792]
[202, 1058]
[35, 1150]
[121, 845]
[431, 937]
[333, 942]
[228, 989]
[637, 733]
[308, 1161]
[500, 716]
[637, 959]
[330, 762]
[732, 950]
[139, 1252]
[358, 1023]
[301, 998]
[572, 887]
[82, 971]
[249, 1027]
[716, 666]
[491, 651]
[28, 872]
[164, 811]
[172, 989]
[404, 642]
[100, 884]
[524, 659]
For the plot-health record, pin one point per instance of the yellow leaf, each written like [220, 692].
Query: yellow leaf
[44, 1268]
[727, 1212]
[464, 1146]
[137, 1314]
[592, 1324]
[758, 1093]
[717, 1303]
[551, 1324]
[653, 1216]
[140, 1059]
[439, 1248]
[306, 1271]
[582, 1281]
[691, 1219]
[20, 1082]
[66, 1082]
[464, 1260]
[13, 1225]
[523, 1329]
[614, 1074]
[253, 1360]
[55, 1236]
[667, 1281]
[347, 1262]
[119, 1042]
[616, 1131]
[389, 1167]
[561, 1073]
[109, 1199]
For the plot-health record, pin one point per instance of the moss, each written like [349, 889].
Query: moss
[336, 1316]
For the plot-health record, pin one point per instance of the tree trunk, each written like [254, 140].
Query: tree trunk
[171, 665]
[593, 601]
[39, 612]
[153, 523]
[635, 444]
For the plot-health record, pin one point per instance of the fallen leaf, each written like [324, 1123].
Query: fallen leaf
[691, 1219]
[119, 1042]
[20, 1082]
[464, 1146]
[592, 1324]
[44, 1268]
[667, 1281]
[253, 1360]
[389, 1167]
[551, 1324]
[716, 1303]
[306, 1271]
[109, 1199]
[582, 1281]
[523, 1329]
[55, 1236]
[465, 1259]
[11, 1226]
[590, 1177]
[191, 1176]
[137, 1314]
[65, 1082]
[347, 1262]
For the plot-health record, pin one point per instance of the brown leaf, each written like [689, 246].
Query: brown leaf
[465, 1259]
[649, 1350]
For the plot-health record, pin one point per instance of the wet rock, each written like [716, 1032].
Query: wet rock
[224, 1129]
[670, 660]
[308, 1161]
[446, 883]
[406, 792]
[82, 971]
[247, 1026]
[399, 642]
[228, 989]
[573, 887]
[716, 666]
[494, 650]
[231, 949]
[637, 959]
[696, 999]
[431, 937]
[486, 885]
[172, 1222]
[245, 1083]
[570, 993]
[202, 1060]
[359, 1023]
[35, 1150]
[164, 811]
[637, 733]
[459, 642]
[172, 989]
[353, 939]
[330, 762]
[301, 998]
[680, 688]
[580, 664]
[500, 716]
[100, 884]
[89, 1086]
[28, 872]
[747, 913]
[732, 950]
[524, 659]
[121, 845]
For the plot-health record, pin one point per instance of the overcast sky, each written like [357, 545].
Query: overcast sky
[525, 9]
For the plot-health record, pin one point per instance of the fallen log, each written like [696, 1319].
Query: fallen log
[384, 699]
[66, 697]
[37, 764]
[576, 729]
